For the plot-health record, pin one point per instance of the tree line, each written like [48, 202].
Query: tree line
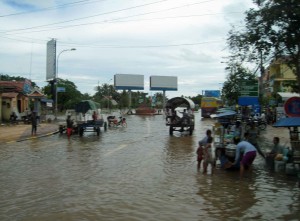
[105, 94]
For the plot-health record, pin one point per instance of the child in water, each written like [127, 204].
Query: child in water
[208, 157]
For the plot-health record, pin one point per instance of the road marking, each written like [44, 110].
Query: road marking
[115, 150]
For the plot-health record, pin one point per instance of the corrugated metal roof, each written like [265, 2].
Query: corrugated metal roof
[9, 95]
[288, 122]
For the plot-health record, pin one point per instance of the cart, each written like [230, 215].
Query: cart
[183, 122]
[91, 126]
[82, 117]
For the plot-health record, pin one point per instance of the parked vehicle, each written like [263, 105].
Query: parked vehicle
[261, 124]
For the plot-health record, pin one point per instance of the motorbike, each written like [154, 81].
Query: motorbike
[114, 122]
[261, 124]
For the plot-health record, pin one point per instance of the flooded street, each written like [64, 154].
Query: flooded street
[134, 173]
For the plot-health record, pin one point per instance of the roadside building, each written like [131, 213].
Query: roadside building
[277, 78]
[16, 96]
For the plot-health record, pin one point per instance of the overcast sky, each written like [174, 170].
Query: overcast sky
[183, 38]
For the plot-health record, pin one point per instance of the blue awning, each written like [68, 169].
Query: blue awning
[224, 114]
[288, 122]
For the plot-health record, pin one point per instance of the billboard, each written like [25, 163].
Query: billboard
[51, 60]
[163, 83]
[129, 82]
[212, 93]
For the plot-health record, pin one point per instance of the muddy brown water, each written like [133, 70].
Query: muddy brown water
[135, 173]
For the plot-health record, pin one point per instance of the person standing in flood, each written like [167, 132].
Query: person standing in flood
[249, 154]
[69, 126]
[33, 123]
[200, 151]
[252, 135]
[208, 157]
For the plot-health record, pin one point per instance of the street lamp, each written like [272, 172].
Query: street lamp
[108, 95]
[56, 78]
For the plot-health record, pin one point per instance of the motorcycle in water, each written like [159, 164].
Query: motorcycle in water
[114, 122]
[261, 124]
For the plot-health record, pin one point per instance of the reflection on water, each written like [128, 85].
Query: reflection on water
[134, 173]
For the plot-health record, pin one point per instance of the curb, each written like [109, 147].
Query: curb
[32, 138]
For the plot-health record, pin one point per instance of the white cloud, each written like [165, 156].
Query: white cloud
[172, 38]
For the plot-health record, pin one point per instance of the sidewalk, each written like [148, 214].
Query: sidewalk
[16, 133]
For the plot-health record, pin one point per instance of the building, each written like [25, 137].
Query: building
[278, 77]
[16, 96]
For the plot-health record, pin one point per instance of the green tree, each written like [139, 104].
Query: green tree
[272, 30]
[67, 99]
[104, 94]
[231, 87]
[197, 99]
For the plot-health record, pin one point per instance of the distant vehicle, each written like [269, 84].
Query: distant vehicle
[209, 106]
[114, 122]
[180, 120]
[82, 116]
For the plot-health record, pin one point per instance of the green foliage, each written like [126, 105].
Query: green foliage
[231, 87]
[197, 99]
[67, 99]
[272, 30]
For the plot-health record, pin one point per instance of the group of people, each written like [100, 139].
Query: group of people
[245, 152]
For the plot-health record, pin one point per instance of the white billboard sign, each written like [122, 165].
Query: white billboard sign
[51, 60]
[163, 83]
[129, 82]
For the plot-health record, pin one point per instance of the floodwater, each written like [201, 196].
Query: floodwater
[134, 173]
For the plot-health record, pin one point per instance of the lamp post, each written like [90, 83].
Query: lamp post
[108, 95]
[56, 78]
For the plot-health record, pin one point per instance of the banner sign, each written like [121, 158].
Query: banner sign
[61, 89]
[249, 88]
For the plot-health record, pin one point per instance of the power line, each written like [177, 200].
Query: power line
[83, 2]
[86, 17]
[119, 20]
[142, 46]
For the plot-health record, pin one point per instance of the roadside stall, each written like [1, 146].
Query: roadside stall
[224, 147]
[292, 122]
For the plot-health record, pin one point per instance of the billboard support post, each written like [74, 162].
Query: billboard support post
[164, 99]
[129, 101]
